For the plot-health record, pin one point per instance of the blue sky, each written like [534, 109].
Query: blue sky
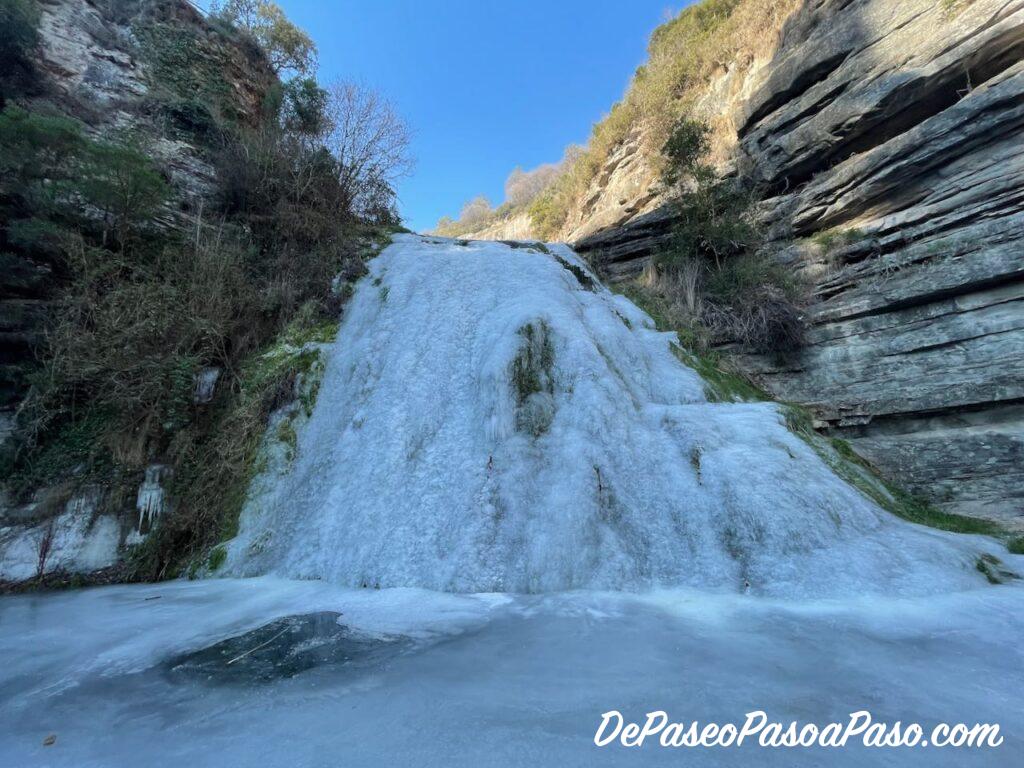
[485, 86]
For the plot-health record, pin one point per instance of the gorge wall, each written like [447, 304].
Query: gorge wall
[151, 71]
[887, 135]
[121, 68]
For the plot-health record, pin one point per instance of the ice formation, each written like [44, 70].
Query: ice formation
[205, 384]
[75, 539]
[150, 500]
[492, 419]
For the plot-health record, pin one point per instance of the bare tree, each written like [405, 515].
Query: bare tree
[572, 155]
[370, 141]
[45, 545]
[476, 211]
[522, 187]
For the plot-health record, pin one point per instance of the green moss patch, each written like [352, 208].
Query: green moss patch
[286, 434]
[531, 377]
[527, 245]
[830, 239]
[993, 569]
[586, 281]
[217, 557]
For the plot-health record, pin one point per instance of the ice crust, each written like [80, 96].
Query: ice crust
[431, 461]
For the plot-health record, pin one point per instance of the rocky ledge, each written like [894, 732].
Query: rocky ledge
[887, 135]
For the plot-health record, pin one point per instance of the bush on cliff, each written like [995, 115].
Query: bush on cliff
[725, 285]
[288, 47]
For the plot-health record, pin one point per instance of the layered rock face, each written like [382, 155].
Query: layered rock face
[888, 137]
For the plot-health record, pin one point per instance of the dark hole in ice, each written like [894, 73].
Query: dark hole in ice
[283, 649]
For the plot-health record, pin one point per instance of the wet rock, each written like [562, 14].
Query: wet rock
[205, 385]
[282, 649]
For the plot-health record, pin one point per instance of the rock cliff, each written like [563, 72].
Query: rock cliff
[887, 137]
[127, 67]
[151, 69]
[515, 227]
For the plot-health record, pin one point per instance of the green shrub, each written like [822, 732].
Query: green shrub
[831, 239]
[192, 117]
[740, 277]
[714, 217]
[304, 107]
[54, 169]
[121, 181]
[713, 221]
[547, 213]
[19, 20]
[953, 7]
[729, 285]
[685, 152]
[37, 152]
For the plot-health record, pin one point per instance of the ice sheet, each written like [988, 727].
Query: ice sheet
[498, 681]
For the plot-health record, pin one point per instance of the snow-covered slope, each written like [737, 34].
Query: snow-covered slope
[492, 419]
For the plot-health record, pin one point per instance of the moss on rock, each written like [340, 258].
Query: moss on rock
[532, 381]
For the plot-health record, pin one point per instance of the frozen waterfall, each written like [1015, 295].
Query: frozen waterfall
[492, 419]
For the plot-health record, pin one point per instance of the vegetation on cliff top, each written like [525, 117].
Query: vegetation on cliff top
[718, 282]
[683, 55]
[287, 47]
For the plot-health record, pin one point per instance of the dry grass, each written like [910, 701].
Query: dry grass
[689, 51]
[684, 55]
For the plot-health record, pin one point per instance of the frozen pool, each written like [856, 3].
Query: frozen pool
[146, 675]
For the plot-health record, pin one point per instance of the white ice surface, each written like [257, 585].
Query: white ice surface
[412, 471]
[499, 681]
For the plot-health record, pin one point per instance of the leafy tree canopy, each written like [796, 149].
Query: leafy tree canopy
[288, 48]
